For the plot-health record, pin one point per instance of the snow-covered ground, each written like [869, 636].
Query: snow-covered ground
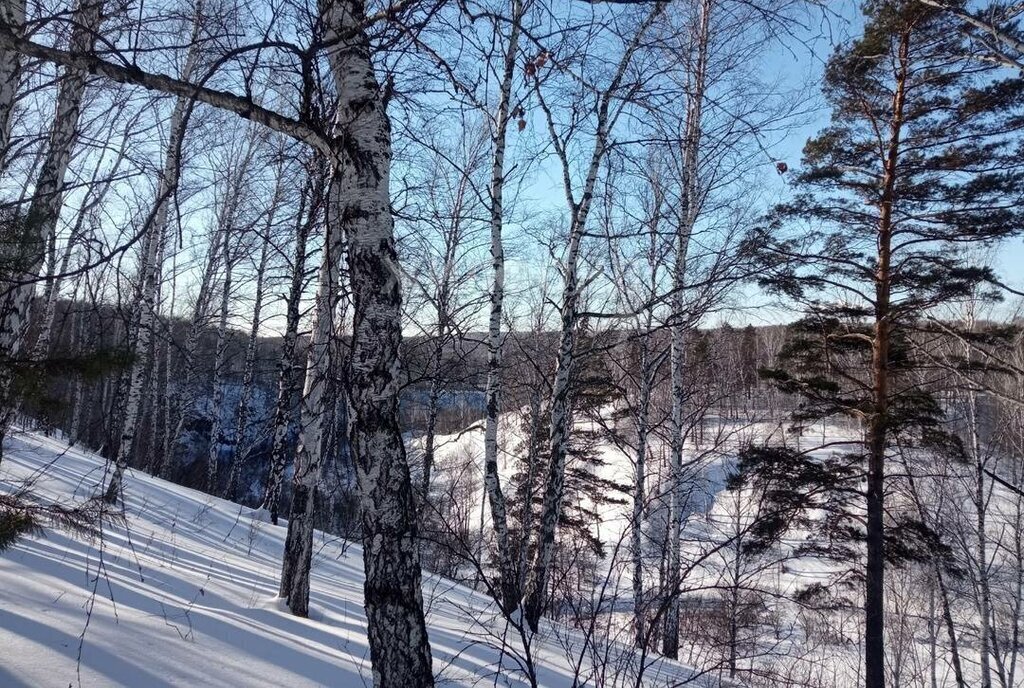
[184, 596]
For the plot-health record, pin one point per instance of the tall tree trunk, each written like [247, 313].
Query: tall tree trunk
[40, 222]
[82, 345]
[507, 584]
[554, 480]
[12, 16]
[433, 399]
[218, 434]
[150, 269]
[561, 411]
[876, 440]
[735, 585]
[980, 506]
[166, 435]
[399, 648]
[241, 448]
[640, 497]
[158, 387]
[679, 324]
[316, 418]
[311, 203]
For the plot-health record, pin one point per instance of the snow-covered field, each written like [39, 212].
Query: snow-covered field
[184, 596]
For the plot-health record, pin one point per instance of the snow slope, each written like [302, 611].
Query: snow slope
[184, 596]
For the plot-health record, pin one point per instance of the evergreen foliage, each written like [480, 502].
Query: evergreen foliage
[22, 515]
[921, 163]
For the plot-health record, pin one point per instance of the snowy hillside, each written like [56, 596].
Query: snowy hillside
[185, 596]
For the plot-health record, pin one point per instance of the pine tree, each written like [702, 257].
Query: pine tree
[921, 158]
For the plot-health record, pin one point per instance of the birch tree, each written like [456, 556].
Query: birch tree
[678, 318]
[310, 210]
[12, 17]
[399, 648]
[316, 416]
[492, 394]
[608, 109]
[40, 220]
[154, 239]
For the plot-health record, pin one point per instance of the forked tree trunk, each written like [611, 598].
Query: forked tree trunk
[393, 598]
[561, 408]
[554, 478]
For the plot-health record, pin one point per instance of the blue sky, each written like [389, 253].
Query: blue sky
[798, 61]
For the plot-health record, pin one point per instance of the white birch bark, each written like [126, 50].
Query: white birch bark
[309, 212]
[508, 583]
[158, 387]
[678, 325]
[316, 417]
[12, 17]
[166, 437]
[40, 222]
[150, 269]
[534, 593]
[393, 598]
